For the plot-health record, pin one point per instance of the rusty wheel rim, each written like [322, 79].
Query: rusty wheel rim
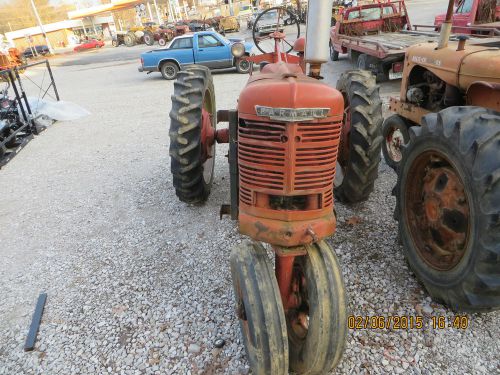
[298, 318]
[437, 211]
[207, 137]
[393, 142]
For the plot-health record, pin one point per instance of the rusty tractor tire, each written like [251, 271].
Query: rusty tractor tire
[193, 93]
[148, 38]
[130, 39]
[448, 207]
[319, 347]
[259, 309]
[359, 154]
[396, 136]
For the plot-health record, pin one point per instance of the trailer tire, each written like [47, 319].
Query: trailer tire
[449, 187]
[318, 348]
[259, 310]
[193, 98]
[334, 54]
[359, 153]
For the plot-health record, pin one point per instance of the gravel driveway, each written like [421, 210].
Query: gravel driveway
[139, 283]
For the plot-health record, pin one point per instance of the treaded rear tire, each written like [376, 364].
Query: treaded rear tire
[263, 325]
[148, 38]
[365, 139]
[190, 89]
[469, 137]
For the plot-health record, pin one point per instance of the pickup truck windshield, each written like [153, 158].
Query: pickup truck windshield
[369, 14]
[465, 6]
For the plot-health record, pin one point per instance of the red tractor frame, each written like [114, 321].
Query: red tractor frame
[288, 138]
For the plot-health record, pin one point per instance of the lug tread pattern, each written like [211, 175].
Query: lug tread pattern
[472, 133]
[185, 133]
[366, 139]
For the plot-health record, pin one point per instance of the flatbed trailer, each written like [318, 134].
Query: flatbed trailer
[376, 36]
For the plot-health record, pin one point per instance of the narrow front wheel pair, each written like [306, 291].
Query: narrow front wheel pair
[307, 339]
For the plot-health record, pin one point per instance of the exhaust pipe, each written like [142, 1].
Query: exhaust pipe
[319, 14]
[445, 33]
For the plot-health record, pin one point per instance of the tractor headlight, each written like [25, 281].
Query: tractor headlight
[237, 50]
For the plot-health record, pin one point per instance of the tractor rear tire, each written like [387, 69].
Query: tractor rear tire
[162, 42]
[148, 38]
[130, 39]
[448, 206]
[359, 155]
[193, 94]
[318, 348]
[259, 309]
[396, 136]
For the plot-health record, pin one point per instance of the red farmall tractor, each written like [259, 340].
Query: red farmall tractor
[288, 138]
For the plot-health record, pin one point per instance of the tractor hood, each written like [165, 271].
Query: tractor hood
[283, 87]
[477, 62]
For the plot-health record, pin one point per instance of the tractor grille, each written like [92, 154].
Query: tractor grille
[287, 158]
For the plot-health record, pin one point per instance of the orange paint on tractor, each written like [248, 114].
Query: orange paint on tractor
[287, 166]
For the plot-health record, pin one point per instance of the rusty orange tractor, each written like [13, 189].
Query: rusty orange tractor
[444, 142]
[288, 138]
[13, 58]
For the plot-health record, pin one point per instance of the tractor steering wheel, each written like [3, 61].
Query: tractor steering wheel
[279, 27]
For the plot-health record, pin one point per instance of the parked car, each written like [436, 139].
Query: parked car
[205, 48]
[40, 50]
[269, 23]
[89, 44]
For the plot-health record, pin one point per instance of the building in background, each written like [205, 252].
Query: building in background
[60, 34]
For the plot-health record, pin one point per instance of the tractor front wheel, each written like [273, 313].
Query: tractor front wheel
[448, 206]
[396, 136]
[361, 139]
[259, 310]
[317, 327]
[192, 134]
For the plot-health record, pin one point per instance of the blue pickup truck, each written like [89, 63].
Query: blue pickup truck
[205, 48]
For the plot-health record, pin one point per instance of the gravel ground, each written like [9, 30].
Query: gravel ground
[139, 283]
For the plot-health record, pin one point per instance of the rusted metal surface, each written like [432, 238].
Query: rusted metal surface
[437, 211]
[407, 110]
[484, 94]
[222, 135]
[283, 270]
[207, 135]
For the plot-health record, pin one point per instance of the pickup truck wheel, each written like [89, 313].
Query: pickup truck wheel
[169, 70]
[448, 206]
[361, 139]
[243, 65]
[192, 134]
